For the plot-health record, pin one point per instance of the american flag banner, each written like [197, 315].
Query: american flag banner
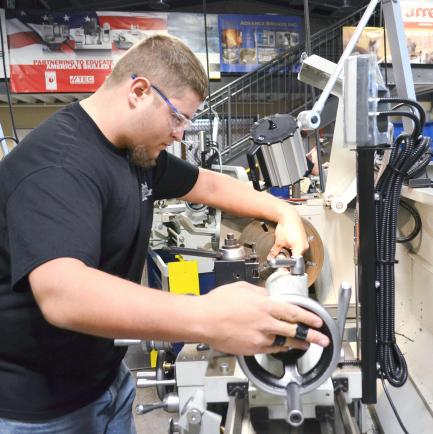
[53, 51]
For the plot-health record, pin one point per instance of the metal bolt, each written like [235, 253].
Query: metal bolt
[224, 368]
[202, 347]
[194, 416]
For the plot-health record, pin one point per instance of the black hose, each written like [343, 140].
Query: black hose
[409, 155]
[417, 220]
[409, 103]
[417, 129]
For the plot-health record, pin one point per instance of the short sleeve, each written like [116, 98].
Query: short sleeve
[173, 177]
[53, 213]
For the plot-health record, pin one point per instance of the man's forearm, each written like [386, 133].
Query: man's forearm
[238, 198]
[93, 302]
[238, 318]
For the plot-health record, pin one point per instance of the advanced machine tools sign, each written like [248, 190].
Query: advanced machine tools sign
[71, 52]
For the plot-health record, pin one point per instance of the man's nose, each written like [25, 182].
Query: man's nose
[177, 134]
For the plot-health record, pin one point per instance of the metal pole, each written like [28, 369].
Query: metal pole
[367, 271]
[400, 57]
[320, 104]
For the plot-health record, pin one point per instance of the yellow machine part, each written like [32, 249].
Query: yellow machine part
[183, 277]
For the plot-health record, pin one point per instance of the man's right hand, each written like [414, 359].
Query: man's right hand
[242, 319]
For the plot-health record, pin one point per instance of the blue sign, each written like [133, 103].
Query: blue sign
[247, 41]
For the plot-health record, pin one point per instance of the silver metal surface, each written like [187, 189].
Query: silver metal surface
[144, 382]
[349, 424]
[235, 415]
[149, 375]
[295, 417]
[343, 306]
[295, 263]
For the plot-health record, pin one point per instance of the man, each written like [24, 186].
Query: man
[77, 197]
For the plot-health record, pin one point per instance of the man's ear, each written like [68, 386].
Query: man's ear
[139, 87]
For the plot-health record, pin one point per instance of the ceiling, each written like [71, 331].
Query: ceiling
[328, 8]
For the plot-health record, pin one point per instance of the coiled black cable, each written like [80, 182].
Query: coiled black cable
[408, 156]
[417, 223]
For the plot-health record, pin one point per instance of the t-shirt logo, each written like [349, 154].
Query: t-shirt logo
[145, 192]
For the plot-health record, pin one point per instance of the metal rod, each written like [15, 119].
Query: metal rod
[235, 415]
[349, 424]
[320, 104]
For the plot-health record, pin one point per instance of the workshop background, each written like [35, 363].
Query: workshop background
[55, 52]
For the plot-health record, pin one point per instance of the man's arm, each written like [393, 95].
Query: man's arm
[239, 198]
[238, 318]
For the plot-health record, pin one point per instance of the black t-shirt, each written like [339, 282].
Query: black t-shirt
[66, 191]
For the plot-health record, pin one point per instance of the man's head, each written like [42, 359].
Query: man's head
[164, 82]
[164, 60]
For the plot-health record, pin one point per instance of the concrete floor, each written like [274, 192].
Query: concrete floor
[157, 421]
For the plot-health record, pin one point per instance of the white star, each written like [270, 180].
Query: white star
[23, 13]
[45, 17]
[87, 19]
[66, 17]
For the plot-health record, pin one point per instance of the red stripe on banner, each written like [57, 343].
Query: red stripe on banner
[66, 47]
[40, 79]
[125, 23]
[23, 39]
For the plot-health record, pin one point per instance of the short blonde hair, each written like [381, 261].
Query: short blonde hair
[164, 60]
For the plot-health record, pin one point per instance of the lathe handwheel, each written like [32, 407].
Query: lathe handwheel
[162, 358]
[308, 381]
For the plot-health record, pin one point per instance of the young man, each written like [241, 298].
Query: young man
[77, 200]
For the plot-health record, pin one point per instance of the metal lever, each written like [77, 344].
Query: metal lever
[295, 417]
[149, 375]
[192, 252]
[343, 306]
[170, 403]
[147, 346]
[126, 342]
[295, 263]
[145, 382]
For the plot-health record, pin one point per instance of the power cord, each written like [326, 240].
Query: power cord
[410, 154]
[417, 220]
[391, 403]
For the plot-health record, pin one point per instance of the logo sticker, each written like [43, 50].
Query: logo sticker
[50, 80]
[145, 192]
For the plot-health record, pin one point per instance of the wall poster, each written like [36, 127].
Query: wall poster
[247, 41]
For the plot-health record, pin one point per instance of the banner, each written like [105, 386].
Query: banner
[247, 41]
[372, 40]
[418, 24]
[190, 29]
[71, 52]
[418, 27]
